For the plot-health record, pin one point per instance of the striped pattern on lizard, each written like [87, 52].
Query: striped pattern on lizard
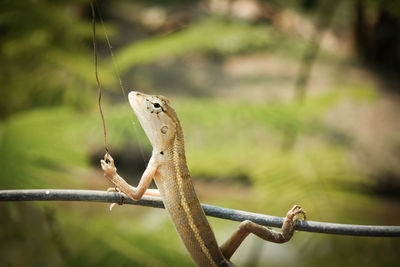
[169, 170]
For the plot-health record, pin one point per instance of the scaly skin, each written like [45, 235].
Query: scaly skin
[168, 168]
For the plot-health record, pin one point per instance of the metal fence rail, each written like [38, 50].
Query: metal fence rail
[214, 211]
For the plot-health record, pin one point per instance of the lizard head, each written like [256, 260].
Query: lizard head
[157, 118]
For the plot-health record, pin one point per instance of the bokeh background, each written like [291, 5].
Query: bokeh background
[281, 102]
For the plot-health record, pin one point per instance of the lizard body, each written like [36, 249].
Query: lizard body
[169, 170]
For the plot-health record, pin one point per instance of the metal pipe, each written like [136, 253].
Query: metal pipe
[214, 211]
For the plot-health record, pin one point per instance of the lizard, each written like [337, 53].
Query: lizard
[168, 167]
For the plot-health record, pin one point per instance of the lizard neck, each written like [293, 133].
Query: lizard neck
[176, 148]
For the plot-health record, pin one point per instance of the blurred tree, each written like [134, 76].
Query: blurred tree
[45, 54]
[377, 32]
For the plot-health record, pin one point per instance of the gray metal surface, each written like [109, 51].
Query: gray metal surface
[214, 211]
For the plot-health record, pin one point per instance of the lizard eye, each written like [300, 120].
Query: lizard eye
[153, 104]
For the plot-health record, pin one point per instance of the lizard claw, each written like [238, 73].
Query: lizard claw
[112, 206]
[107, 164]
[113, 189]
[108, 158]
[121, 199]
[293, 212]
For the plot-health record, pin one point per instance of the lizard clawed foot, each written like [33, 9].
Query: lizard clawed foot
[113, 189]
[293, 212]
[121, 199]
[112, 205]
[107, 164]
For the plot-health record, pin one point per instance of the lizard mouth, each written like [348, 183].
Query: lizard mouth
[133, 98]
[134, 101]
[133, 95]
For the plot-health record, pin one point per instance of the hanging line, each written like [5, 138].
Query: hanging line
[97, 77]
[116, 71]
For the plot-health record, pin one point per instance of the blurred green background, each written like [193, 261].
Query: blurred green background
[281, 104]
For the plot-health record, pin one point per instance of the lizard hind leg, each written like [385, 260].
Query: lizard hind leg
[247, 227]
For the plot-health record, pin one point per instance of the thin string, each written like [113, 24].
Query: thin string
[116, 71]
[97, 76]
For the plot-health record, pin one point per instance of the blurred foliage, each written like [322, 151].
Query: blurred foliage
[47, 142]
[212, 35]
[256, 131]
[275, 116]
[376, 27]
[50, 136]
[46, 55]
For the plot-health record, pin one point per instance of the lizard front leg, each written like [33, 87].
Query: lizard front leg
[134, 193]
[247, 227]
